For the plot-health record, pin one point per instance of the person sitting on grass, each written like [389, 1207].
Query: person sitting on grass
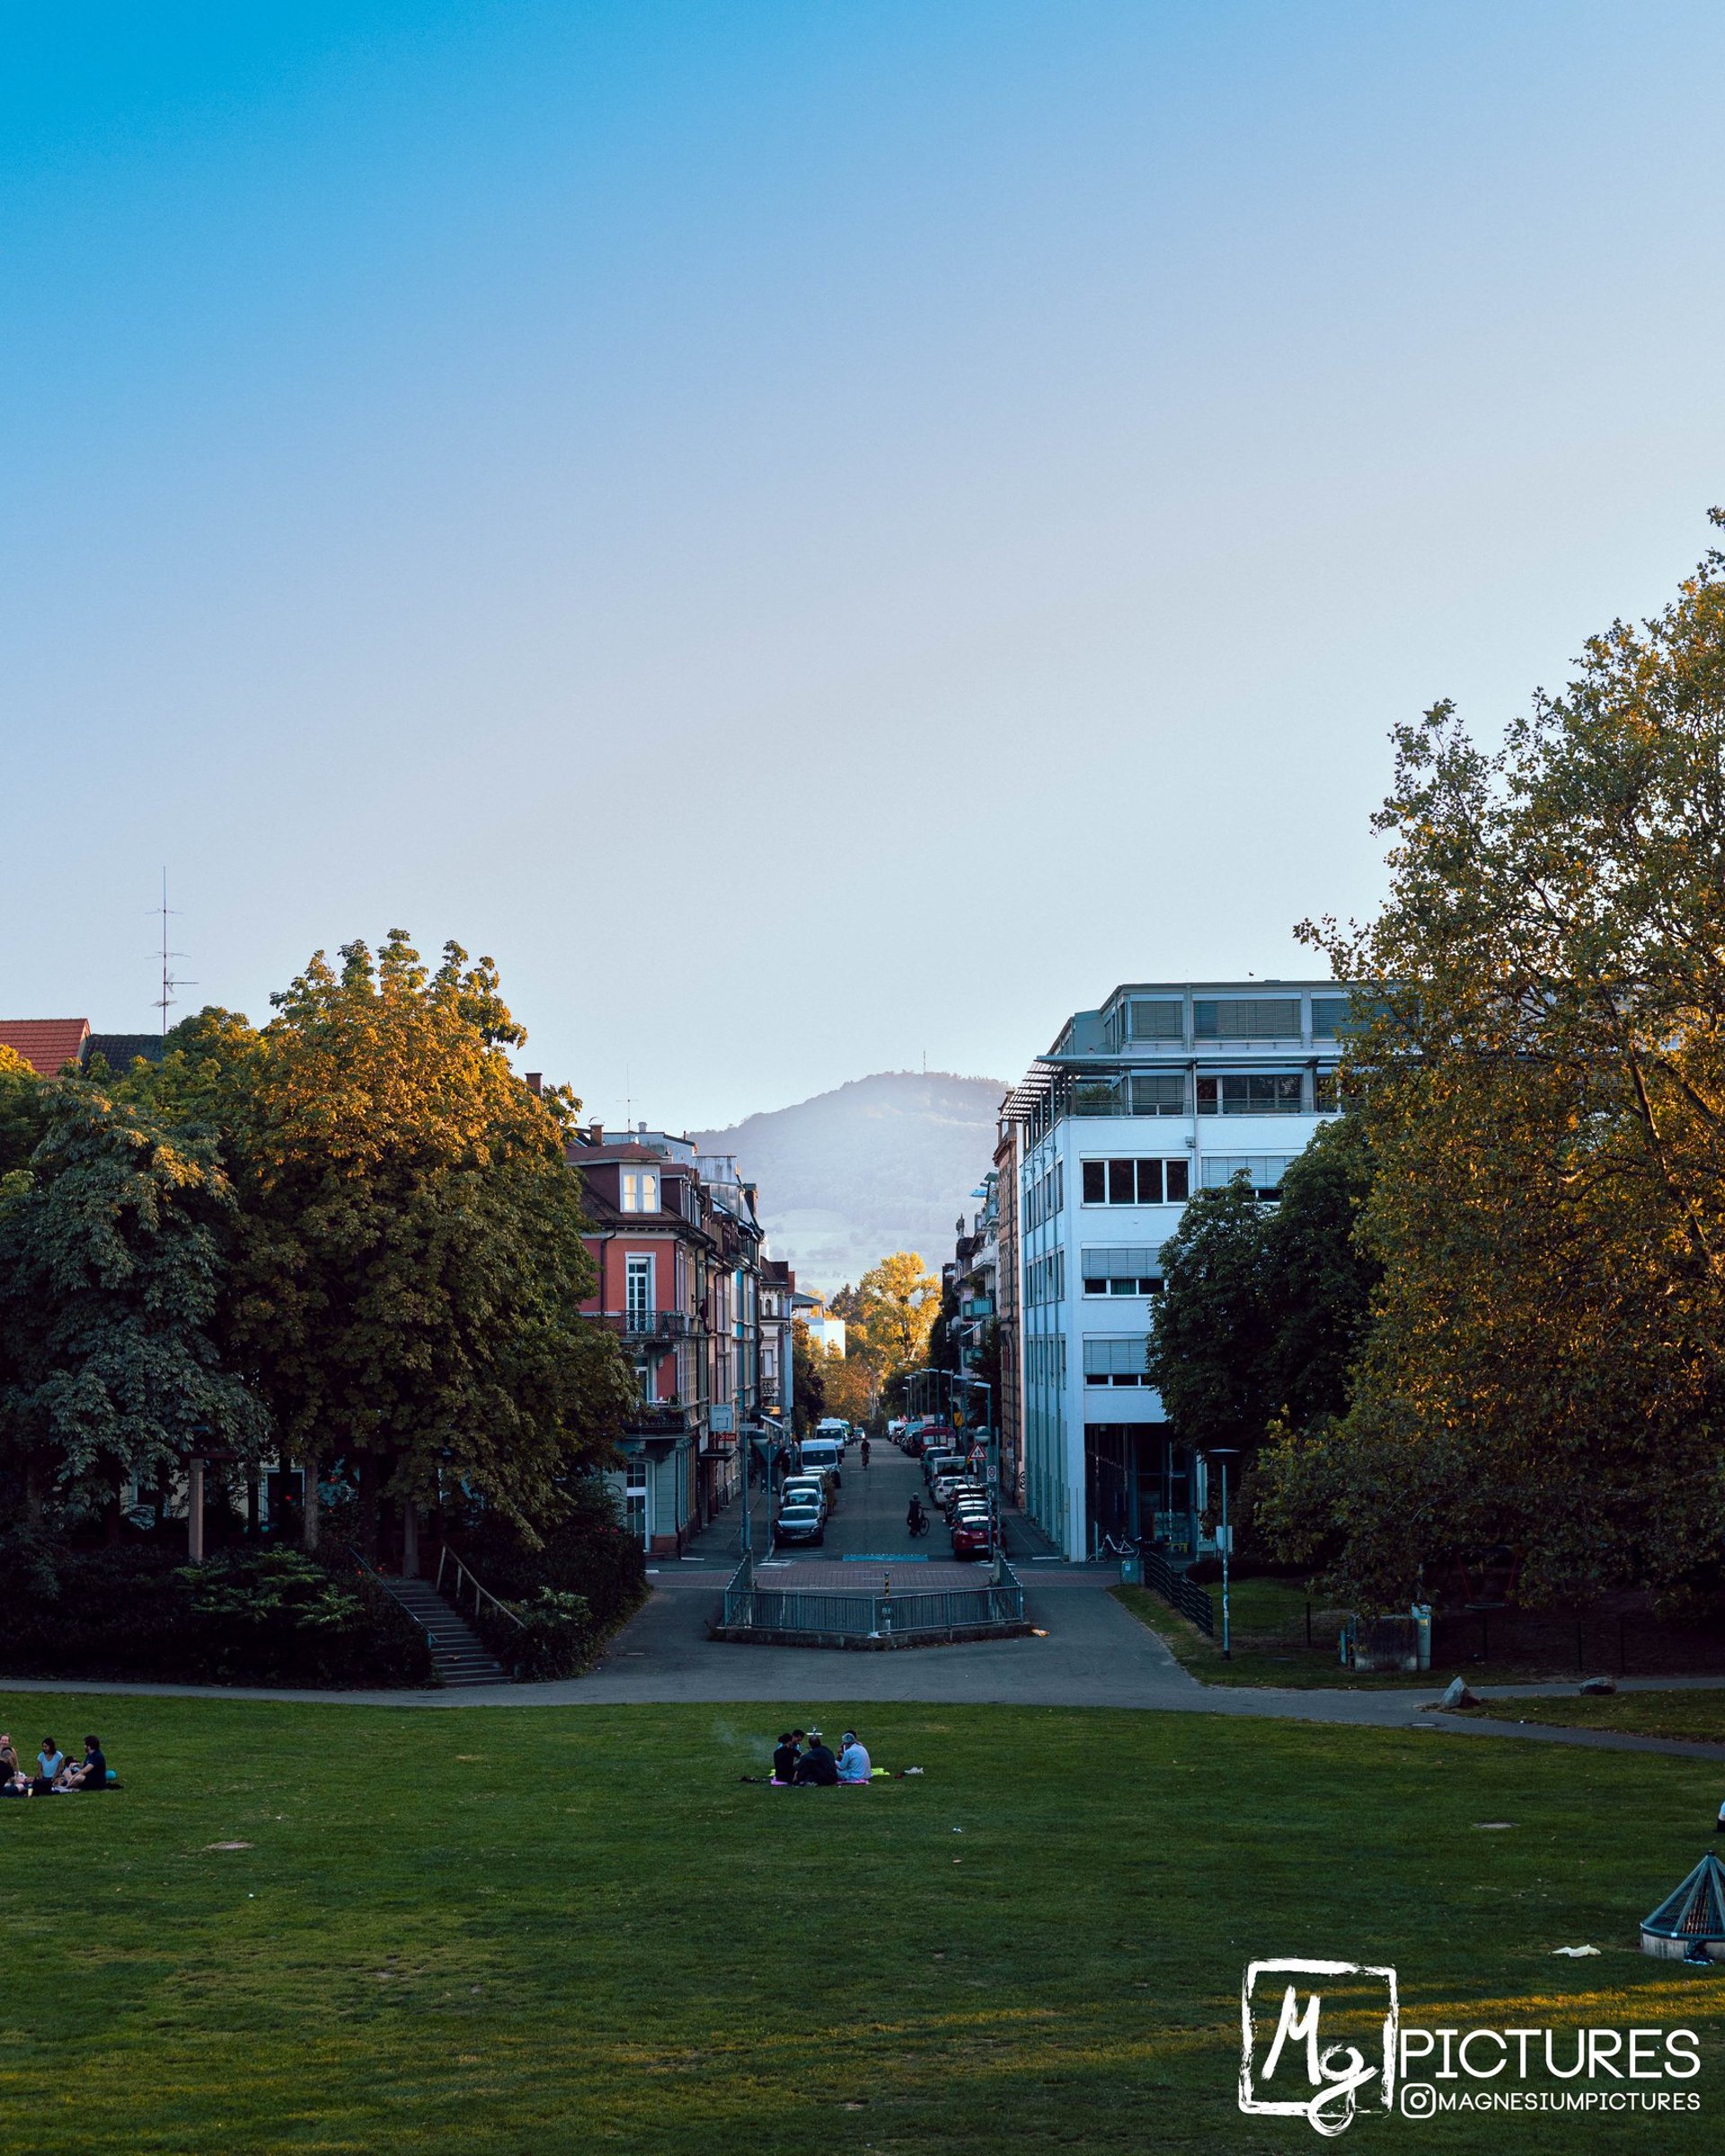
[50, 1762]
[14, 1780]
[91, 1775]
[784, 1760]
[817, 1769]
[852, 1760]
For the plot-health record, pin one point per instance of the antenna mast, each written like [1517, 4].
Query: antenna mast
[170, 981]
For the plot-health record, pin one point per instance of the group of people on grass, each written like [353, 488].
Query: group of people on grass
[804, 1761]
[55, 1775]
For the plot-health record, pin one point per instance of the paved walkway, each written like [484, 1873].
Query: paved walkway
[1092, 1654]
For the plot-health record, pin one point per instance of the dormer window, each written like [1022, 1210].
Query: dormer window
[639, 1190]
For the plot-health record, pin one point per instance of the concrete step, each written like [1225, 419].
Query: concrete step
[458, 1654]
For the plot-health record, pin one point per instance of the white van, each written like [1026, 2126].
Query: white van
[834, 1426]
[822, 1452]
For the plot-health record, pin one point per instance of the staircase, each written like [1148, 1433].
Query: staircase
[458, 1656]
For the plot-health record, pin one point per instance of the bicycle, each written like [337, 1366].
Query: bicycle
[1116, 1546]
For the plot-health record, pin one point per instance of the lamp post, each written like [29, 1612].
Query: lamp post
[1222, 1455]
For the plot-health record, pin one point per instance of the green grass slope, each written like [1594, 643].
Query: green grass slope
[501, 1930]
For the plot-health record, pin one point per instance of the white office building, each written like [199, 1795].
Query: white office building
[1169, 1089]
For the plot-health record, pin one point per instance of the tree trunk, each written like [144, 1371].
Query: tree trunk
[32, 1494]
[367, 1522]
[410, 1539]
[308, 1477]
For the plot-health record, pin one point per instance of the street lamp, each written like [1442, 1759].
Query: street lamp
[1222, 1455]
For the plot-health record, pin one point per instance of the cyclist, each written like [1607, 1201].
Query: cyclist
[915, 1518]
[865, 1452]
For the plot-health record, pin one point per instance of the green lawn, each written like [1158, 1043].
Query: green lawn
[1269, 1639]
[489, 1930]
[1696, 1713]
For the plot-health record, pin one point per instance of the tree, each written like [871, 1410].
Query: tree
[1543, 1084]
[111, 1265]
[808, 1390]
[896, 1305]
[411, 1263]
[1210, 1343]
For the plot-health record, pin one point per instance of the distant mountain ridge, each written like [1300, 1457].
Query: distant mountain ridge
[883, 1163]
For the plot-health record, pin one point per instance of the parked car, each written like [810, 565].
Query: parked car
[970, 1535]
[936, 1460]
[801, 1523]
[946, 1486]
[806, 1485]
[967, 1491]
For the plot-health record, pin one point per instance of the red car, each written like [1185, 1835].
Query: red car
[970, 1535]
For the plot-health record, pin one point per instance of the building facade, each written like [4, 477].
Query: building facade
[679, 1252]
[1169, 1089]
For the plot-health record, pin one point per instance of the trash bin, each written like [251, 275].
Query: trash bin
[1131, 1571]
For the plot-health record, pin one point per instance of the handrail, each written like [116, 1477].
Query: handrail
[481, 1593]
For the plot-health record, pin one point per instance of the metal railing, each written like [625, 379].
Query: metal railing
[649, 1324]
[462, 1580]
[752, 1607]
[1183, 1594]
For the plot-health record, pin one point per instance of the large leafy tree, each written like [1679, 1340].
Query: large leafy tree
[411, 1261]
[112, 1236]
[1209, 1345]
[1265, 1307]
[1544, 1085]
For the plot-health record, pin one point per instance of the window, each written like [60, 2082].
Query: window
[639, 1190]
[1330, 1016]
[1326, 1093]
[1247, 1017]
[1264, 1172]
[634, 1497]
[1156, 1018]
[1276, 1093]
[1136, 1182]
[1122, 1270]
[1116, 1358]
[638, 1291]
[1045, 1279]
[1161, 1094]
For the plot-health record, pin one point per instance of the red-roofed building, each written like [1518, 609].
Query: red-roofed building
[46, 1044]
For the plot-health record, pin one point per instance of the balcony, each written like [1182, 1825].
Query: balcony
[644, 1327]
[658, 1418]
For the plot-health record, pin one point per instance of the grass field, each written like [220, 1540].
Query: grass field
[491, 1929]
[1696, 1713]
[1271, 1646]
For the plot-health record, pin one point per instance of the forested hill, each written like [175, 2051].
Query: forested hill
[883, 1164]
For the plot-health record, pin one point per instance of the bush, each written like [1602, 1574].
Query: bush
[554, 1639]
[263, 1614]
[588, 1557]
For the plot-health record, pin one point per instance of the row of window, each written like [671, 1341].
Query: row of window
[1236, 1018]
[1045, 1279]
[1136, 1182]
[1045, 1359]
[1045, 1195]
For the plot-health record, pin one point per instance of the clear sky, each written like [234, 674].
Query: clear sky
[816, 534]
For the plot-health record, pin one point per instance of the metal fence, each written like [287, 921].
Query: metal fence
[1186, 1595]
[751, 1607]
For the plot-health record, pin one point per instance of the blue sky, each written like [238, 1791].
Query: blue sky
[819, 536]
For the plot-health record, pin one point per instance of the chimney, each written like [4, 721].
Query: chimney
[598, 1134]
[641, 1128]
[535, 1079]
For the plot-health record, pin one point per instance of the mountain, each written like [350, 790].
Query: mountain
[883, 1164]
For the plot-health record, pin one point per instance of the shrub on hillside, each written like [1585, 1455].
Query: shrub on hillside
[589, 1555]
[261, 1614]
